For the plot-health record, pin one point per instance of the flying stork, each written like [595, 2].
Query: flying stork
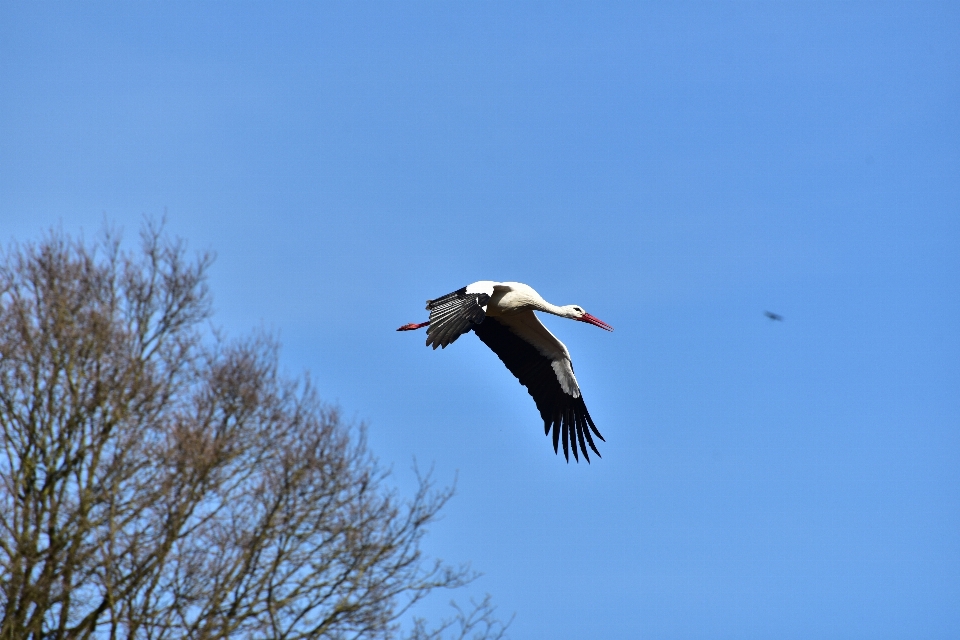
[501, 314]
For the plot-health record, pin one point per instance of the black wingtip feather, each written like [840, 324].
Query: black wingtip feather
[583, 447]
[571, 433]
[586, 432]
[563, 414]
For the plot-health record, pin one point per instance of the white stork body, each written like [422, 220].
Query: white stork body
[502, 316]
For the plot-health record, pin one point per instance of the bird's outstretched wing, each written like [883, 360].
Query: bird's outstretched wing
[549, 378]
[454, 314]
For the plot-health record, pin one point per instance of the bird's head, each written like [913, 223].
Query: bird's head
[576, 312]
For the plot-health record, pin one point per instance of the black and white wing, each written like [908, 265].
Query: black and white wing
[542, 364]
[454, 314]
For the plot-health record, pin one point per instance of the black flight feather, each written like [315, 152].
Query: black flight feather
[453, 315]
[565, 415]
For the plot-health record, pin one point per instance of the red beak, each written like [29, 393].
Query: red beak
[597, 322]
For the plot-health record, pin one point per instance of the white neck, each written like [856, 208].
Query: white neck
[564, 312]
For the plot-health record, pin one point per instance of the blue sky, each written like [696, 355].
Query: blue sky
[676, 169]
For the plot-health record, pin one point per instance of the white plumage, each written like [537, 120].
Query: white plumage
[502, 315]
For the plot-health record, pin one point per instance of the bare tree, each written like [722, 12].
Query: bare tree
[158, 482]
[480, 623]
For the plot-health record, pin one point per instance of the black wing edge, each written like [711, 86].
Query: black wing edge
[565, 415]
[459, 293]
[453, 315]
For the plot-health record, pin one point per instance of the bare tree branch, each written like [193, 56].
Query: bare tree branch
[154, 485]
[480, 623]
